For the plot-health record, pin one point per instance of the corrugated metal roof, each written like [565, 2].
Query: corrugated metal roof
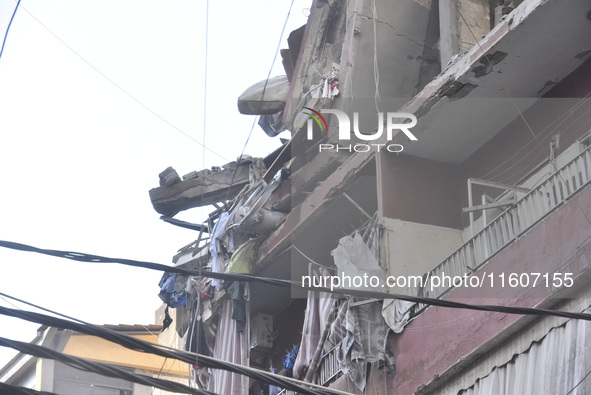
[556, 365]
[133, 328]
[552, 356]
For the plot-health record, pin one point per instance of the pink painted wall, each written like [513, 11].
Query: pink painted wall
[420, 190]
[441, 339]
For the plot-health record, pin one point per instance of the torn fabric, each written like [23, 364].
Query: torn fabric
[172, 289]
[167, 320]
[318, 311]
[366, 338]
[229, 346]
[239, 306]
[289, 360]
[354, 258]
[244, 257]
[196, 340]
[215, 247]
[397, 312]
[271, 124]
[366, 342]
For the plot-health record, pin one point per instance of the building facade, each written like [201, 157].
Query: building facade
[43, 374]
[483, 200]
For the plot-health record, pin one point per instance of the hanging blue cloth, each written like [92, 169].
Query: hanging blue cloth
[289, 360]
[168, 294]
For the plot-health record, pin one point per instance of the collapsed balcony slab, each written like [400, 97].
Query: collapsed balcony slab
[202, 191]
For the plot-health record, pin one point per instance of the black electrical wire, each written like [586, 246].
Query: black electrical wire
[262, 95]
[16, 390]
[185, 356]
[82, 257]
[3, 295]
[100, 368]
[287, 283]
[458, 305]
[8, 28]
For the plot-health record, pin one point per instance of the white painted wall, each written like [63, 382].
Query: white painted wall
[413, 249]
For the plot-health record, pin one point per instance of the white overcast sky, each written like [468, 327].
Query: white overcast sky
[78, 155]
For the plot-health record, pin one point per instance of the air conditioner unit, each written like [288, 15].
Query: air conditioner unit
[261, 332]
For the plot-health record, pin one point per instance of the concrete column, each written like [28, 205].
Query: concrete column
[449, 43]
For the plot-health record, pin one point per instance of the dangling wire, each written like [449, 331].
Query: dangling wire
[376, 72]
[262, 96]
[205, 80]
[8, 28]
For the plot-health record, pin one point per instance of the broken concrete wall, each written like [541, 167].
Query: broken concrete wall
[402, 37]
[475, 23]
[320, 50]
[462, 24]
[392, 43]
[382, 53]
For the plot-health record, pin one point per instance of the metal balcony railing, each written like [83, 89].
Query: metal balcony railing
[512, 223]
[329, 367]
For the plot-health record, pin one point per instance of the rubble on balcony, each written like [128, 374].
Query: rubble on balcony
[203, 188]
[247, 210]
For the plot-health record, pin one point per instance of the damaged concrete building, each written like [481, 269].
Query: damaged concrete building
[484, 200]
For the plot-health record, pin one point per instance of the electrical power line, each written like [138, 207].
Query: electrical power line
[82, 257]
[8, 28]
[263, 93]
[579, 383]
[100, 368]
[291, 283]
[4, 296]
[140, 345]
[205, 78]
[123, 90]
[525, 151]
[17, 390]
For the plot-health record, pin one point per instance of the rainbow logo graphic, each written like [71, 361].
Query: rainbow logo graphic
[317, 117]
